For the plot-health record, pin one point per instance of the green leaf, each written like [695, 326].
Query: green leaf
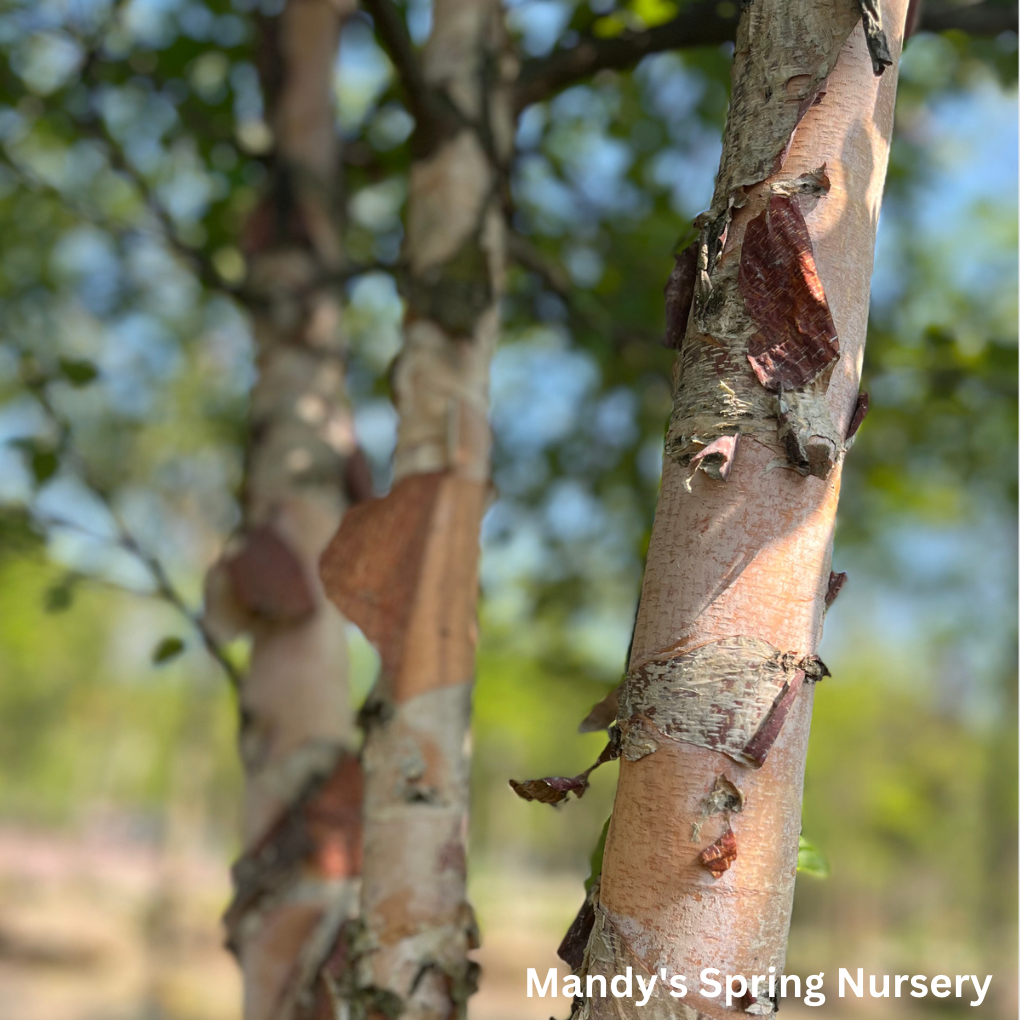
[654, 12]
[609, 27]
[40, 458]
[44, 465]
[169, 648]
[58, 597]
[810, 860]
[596, 857]
[78, 372]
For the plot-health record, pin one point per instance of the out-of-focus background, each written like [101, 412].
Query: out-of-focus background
[130, 134]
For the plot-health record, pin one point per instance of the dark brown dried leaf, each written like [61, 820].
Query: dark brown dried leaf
[555, 789]
[603, 714]
[551, 789]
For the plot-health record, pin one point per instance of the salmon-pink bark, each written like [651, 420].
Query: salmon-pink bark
[701, 853]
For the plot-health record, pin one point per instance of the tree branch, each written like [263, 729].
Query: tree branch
[435, 118]
[124, 538]
[985, 18]
[701, 24]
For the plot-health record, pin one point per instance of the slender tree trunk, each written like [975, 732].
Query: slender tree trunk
[404, 568]
[701, 853]
[296, 884]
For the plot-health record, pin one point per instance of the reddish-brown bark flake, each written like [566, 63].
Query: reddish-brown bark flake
[268, 579]
[571, 949]
[321, 830]
[835, 586]
[778, 279]
[680, 295]
[719, 857]
[860, 412]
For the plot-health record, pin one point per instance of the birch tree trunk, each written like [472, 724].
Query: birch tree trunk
[404, 568]
[296, 883]
[769, 310]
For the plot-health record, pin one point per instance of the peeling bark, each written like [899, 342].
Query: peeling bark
[404, 568]
[738, 569]
[296, 882]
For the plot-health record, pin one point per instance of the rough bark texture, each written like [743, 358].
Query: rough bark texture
[720, 685]
[296, 883]
[404, 568]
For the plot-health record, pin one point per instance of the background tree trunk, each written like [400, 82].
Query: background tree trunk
[701, 853]
[296, 884]
[405, 567]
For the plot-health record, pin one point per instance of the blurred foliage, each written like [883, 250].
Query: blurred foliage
[133, 146]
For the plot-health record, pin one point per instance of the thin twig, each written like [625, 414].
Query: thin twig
[125, 539]
[435, 116]
[702, 24]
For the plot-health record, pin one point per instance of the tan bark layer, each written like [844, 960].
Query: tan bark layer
[748, 557]
[296, 882]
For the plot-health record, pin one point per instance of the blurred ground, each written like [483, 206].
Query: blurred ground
[99, 927]
[102, 927]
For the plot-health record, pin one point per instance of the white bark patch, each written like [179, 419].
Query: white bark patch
[441, 386]
[416, 784]
[449, 191]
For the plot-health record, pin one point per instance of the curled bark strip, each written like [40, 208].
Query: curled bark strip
[835, 586]
[813, 183]
[760, 744]
[779, 282]
[878, 44]
[860, 413]
[717, 696]
[680, 295]
[725, 797]
[555, 789]
[267, 578]
[716, 459]
[719, 857]
[603, 714]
